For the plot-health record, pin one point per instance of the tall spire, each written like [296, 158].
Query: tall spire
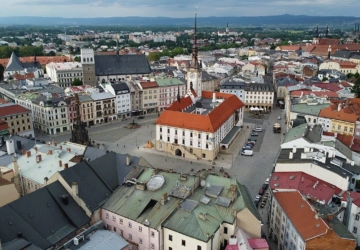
[194, 60]
[317, 31]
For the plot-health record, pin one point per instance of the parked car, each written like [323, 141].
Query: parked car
[279, 117]
[247, 152]
[254, 134]
[257, 203]
[252, 139]
[247, 147]
[251, 142]
[257, 129]
[267, 180]
[261, 191]
[257, 197]
[265, 186]
[141, 117]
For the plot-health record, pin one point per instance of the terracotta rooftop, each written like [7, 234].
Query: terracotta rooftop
[301, 215]
[344, 114]
[289, 47]
[207, 123]
[317, 93]
[43, 60]
[328, 86]
[355, 196]
[147, 85]
[13, 109]
[17, 76]
[305, 184]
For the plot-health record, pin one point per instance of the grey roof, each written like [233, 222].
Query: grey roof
[32, 65]
[205, 76]
[24, 143]
[281, 81]
[259, 87]
[112, 168]
[120, 86]
[19, 243]
[343, 54]
[121, 65]
[14, 64]
[345, 171]
[313, 133]
[42, 217]
[91, 153]
[92, 189]
[233, 85]
[103, 239]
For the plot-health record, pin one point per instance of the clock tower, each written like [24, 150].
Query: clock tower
[194, 71]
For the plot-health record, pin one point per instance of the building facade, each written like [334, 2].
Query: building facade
[18, 119]
[121, 92]
[149, 96]
[64, 73]
[259, 95]
[168, 90]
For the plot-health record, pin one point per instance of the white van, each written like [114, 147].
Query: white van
[247, 152]
[257, 129]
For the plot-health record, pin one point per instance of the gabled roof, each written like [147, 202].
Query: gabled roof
[14, 64]
[207, 123]
[147, 85]
[301, 215]
[121, 65]
[42, 217]
[92, 189]
[344, 114]
[12, 110]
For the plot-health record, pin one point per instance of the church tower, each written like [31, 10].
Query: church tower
[194, 81]
[88, 67]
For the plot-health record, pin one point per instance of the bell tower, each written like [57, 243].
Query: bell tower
[88, 67]
[194, 80]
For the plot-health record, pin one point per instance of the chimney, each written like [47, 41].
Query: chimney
[330, 217]
[60, 163]
[38, 158]
[202, 216]
[47, 143]
[75, 188]
[50, 152]
[339, 107]
[28, 153]
[164, 198]
[127, 160]
[214, 97]
[60, 146]
[291, 154]
[66, 166]
[55, 143]
[68, 149]
[294, 149]
[64, 198]
[15, 165]
[23, 152]
[35, 148]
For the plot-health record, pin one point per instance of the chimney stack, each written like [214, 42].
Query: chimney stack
[164, 197]
[75, 188]
[66, 166]
[127, 160]
[23, 152]
[214, 97]
[60, 163]
[50, 152]
[28, 154]
[68, 149]
[55, 143]
[294, 149]
[35, 148]
[38, 158]
[60, 146]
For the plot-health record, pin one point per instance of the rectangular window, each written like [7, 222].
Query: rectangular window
[152, 246]
[130, 224]
[121, 221]
[160, 129]
[140, 229]
[199, 136]
[114, 218]
[153, 234]
[170, 237]
[198, 247]
[183, 242]
[355, 230]
[107, 216]
[183, 133]
[130, 236]
[191, 134]
[140, 241]
[357, 217]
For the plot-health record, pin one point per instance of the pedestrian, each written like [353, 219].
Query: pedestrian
[117, 145]
[124, 146]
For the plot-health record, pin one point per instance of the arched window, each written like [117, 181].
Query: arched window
[91, 59]
[84, 59]
[88, 59]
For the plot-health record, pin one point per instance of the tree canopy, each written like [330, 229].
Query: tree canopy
[77, 82]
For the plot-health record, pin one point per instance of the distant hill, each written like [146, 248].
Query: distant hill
[283, 20]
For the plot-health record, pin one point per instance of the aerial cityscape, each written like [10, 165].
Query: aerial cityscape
[207, 126]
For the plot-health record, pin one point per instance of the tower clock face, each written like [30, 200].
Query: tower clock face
[192, 75]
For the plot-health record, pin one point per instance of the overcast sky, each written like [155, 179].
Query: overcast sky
[177, 8]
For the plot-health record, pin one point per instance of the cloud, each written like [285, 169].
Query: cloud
[176, 8]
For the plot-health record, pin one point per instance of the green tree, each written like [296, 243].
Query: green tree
[5, 51]
[51, 53]
[177, 51]
[77, 82]
[77, 59]
[324, 79]
[153, 56]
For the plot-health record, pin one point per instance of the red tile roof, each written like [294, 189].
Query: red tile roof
[342, 115]
[2, 101]
[345, 84]
[355, 196]
[13, 109]
[317, 93]
[304, 183]
[43, 60]
[147, 85]
[289, 47]
[328, 41]
[17, 76]
[345, 139]
[207, 123]
[301, 215]
[328, 86]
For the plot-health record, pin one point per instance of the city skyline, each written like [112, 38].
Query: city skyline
[186, 8]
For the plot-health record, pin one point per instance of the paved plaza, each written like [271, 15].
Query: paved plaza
[249, 170]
